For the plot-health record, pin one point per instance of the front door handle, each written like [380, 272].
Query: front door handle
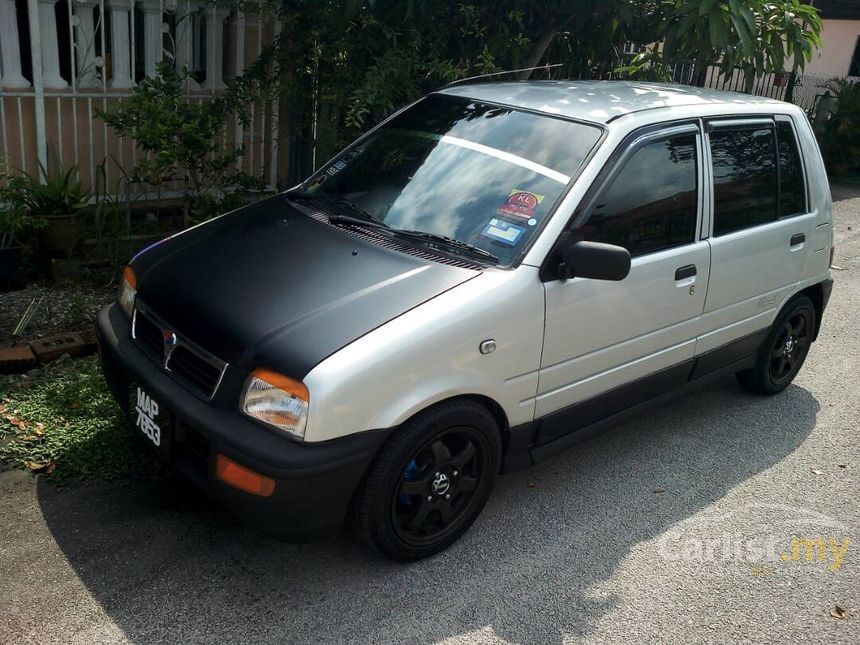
[796, 241]
[688, 271]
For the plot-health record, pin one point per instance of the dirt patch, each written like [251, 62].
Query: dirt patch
[55, 307]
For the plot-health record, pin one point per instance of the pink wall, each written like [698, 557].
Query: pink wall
[834, 57]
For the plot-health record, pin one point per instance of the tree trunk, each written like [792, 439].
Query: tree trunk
[541, 45]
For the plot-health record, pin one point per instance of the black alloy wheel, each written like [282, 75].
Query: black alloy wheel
[430, 481]
[790, 347]
[438, 486]
[784, 350]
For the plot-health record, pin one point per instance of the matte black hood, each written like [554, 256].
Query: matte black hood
[269, 286]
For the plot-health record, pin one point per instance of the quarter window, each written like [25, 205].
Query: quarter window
[652, 203]
[792, 188]
[745, 178]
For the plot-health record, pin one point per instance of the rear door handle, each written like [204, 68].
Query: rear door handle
[688, 271]
[796, 241]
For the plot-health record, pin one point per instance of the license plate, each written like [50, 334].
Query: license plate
[151, 419]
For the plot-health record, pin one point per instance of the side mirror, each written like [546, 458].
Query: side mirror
[595, 260]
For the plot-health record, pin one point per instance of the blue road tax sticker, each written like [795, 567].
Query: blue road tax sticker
[503, 231]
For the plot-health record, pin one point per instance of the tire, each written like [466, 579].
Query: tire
[429, 482]
[783, 352]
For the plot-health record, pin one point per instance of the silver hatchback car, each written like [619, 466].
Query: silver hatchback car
[490, 275]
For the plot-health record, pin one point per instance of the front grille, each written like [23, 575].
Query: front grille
[149, 336]
[193, 370]
[192, 366]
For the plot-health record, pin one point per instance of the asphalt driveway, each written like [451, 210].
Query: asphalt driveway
[720, 517]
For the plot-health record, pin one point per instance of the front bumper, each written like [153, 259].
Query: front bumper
[314, 481]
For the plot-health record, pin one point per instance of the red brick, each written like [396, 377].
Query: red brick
[90, 339]
[16, 359]
[52, 347]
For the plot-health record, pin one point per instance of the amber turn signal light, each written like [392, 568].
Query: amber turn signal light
[128, 276]
[245, 479]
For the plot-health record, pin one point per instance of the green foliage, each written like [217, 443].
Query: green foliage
[840, 141]
[181, 140]
[28, 201]
[356, 62]
[340, 66]
[757, 36]
[64, 422]
[15, 222]
[362, 61]
[56, 192]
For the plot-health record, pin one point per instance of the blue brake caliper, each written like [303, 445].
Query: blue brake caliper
[410, 474]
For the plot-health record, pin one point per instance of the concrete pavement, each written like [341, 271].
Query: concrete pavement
[675, 527]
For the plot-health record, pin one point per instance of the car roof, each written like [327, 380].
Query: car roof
[601, 101]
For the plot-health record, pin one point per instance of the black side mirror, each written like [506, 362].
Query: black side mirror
[595, 260]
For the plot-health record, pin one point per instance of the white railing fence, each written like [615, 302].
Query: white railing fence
[61, 61]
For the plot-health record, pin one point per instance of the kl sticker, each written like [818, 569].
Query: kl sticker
[521, 203]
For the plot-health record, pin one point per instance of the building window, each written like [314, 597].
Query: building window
[854, 70]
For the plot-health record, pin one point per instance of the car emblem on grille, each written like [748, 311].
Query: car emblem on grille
[170, 341]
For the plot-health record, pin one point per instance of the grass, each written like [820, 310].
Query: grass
[62, 421]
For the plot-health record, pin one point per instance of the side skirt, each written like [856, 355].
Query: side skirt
[533, 442]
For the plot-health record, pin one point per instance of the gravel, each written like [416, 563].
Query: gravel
[59, 307]
[675, 527]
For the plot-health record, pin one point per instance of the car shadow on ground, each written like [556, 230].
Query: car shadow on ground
[167, 565]
[841, 192]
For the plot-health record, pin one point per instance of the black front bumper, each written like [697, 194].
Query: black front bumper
[314, 482]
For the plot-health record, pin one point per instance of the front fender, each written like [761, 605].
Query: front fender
[431, 353]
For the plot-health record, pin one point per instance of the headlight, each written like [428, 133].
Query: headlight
[277, 401]
[127, 291]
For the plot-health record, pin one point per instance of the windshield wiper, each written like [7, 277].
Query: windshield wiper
[368, 219]
[448, 243]
[364, 217]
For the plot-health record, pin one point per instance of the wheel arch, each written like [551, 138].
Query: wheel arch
[487, 402]
[494, 408]
[815, 293]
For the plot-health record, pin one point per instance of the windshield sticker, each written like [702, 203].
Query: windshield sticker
[521, 203]
[502, 231]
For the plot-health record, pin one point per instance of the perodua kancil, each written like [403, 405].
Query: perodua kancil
[490, 275]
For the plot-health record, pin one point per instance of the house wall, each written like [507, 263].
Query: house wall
[839, 37]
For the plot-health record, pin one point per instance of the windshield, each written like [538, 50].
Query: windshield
[480, 174]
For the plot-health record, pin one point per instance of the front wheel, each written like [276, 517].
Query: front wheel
[429, 482]
[783, 352]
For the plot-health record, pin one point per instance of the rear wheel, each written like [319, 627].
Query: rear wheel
[784, 351]
[430, 481]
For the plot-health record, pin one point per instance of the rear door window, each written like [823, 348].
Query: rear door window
[652, 203]
[745, 177]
